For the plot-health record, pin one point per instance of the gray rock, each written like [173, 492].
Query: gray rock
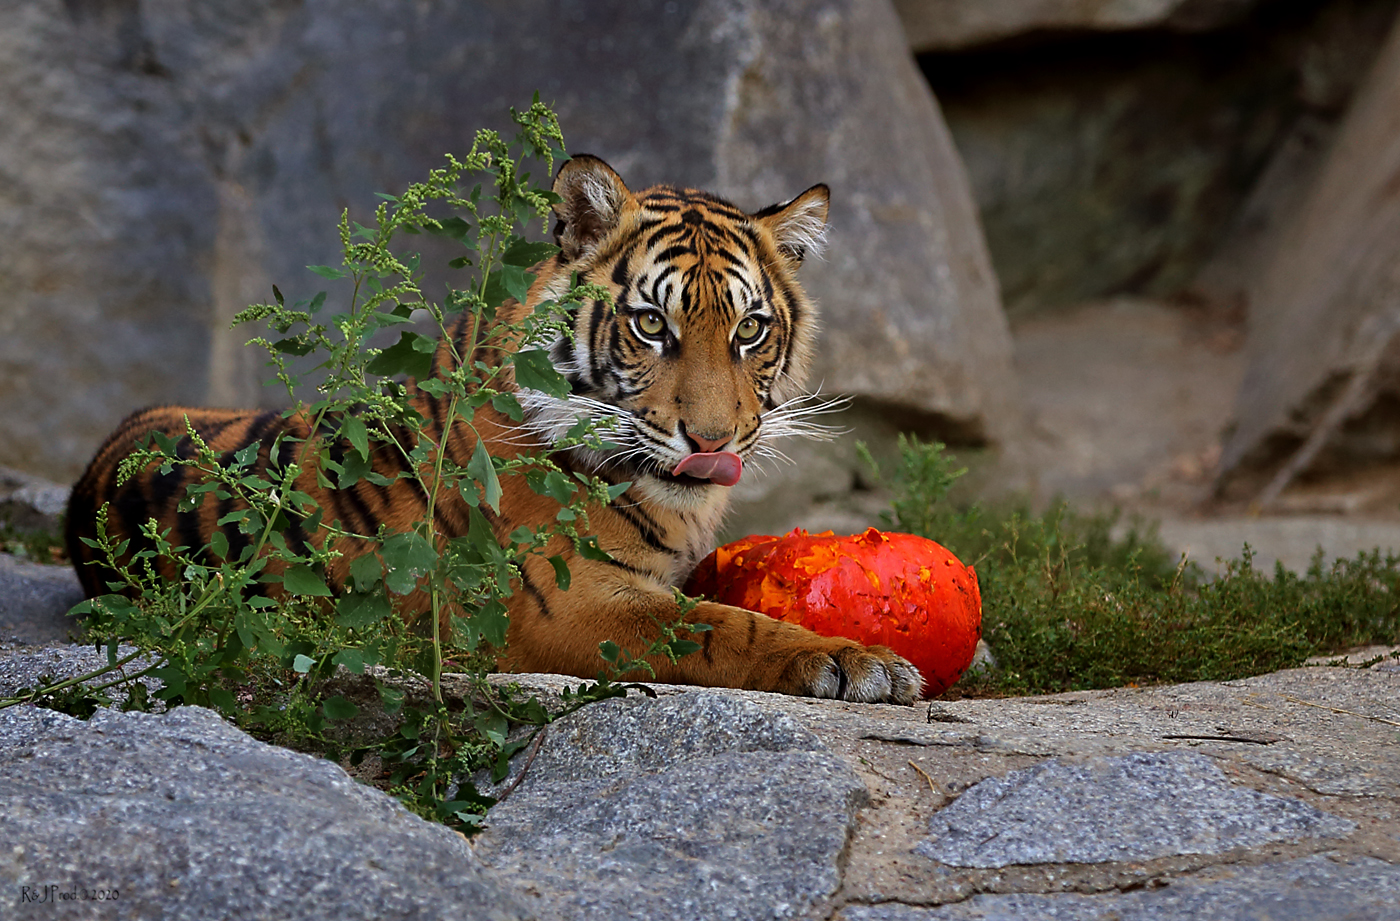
[1323, 351]
[30, 503]
[741, 814]
[181, 815]
[946, 25]
[166, 167]
[34, 601]
[1308, 889]
[1134, 807]
[24, 667]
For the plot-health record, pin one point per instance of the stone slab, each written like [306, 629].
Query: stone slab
[1130, 807]
[181, 815]
[737, 810]
[1307, 889]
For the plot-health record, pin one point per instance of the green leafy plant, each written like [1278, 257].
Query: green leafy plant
[251, 626]
[1068, 603]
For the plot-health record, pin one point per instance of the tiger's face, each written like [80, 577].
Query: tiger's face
[697, 364]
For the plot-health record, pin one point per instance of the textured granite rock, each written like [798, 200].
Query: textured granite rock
[740, 812]
[183, 816]
[1133, 807]
[34, 601]
[1308, 889]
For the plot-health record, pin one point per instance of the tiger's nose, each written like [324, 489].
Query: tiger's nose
[704, 444]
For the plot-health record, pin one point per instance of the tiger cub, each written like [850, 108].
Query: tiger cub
[699, 367]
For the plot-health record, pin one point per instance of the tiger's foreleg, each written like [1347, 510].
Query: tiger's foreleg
[741, 649]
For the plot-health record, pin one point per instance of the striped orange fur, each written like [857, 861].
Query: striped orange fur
[698, 367]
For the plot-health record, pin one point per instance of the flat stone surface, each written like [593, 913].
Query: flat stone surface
[1308, 889]
[737, 810]
[1133, 807]
[184, 816]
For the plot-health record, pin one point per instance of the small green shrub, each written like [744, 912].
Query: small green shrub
[214, 638]
[1068, 604]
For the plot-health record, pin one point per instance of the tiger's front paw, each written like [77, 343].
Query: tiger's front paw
[864, 674]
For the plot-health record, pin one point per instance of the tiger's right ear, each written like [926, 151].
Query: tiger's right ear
[592, 196]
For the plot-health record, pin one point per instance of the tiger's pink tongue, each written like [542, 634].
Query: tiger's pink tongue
[722, 467]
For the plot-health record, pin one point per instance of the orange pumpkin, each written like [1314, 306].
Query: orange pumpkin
[895, 590]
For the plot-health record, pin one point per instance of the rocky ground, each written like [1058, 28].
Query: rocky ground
[1274, 797]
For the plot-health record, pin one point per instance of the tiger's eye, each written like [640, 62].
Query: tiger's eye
[650, 323]
[748, 329]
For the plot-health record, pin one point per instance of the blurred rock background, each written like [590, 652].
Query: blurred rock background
[1142, 252]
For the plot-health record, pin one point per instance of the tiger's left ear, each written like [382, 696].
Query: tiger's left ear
[592, 198]
[798, 226]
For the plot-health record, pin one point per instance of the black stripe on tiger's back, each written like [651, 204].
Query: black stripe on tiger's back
[529, 585]
[260, 425]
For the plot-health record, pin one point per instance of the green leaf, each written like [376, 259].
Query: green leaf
[221, 698]
[352, 659]
[353, 427]
[558, 487]
[678, 648]
[481, 469]
[218, 545]
[366, 570]
[493, 621]
[360, 611]
[326, 271]
[534, 371]
[302, 580]
[302, 664]
[609, 651]
[508, 405]
[516, 281]
[588, 549]
[354, 469]
[525, 254]
[392, 698]
[411, 355]
[453, 227]
[407, 557]
[338, 708]
[293, 345]
[561, 572]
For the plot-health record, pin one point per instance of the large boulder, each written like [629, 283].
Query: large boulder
[1322, 386]
[946, 25]
[166, 164]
